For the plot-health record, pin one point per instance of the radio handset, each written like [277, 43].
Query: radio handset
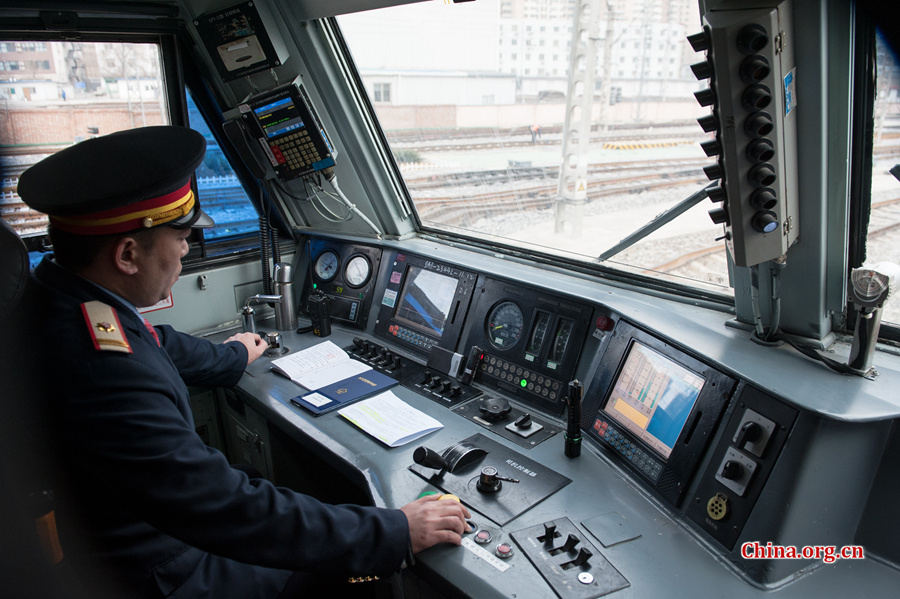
[247, 148]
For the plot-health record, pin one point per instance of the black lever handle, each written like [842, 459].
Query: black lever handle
[430, 459]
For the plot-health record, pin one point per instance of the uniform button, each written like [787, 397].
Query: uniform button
[483, 536]
[503, 551]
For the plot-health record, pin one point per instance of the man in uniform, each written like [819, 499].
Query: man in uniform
[166, 513]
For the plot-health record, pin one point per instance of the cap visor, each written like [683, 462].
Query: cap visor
[197, 219]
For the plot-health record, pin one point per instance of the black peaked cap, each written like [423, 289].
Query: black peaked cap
[113, 170]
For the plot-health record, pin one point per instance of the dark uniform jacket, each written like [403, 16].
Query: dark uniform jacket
[168, 512]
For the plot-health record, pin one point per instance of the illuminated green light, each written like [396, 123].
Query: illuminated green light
[315, 285]
[523, 383]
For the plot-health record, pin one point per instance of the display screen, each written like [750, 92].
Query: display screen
[278, 117]
[653, 397]
[426, 300]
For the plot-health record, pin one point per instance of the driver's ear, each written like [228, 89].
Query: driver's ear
[126, 253]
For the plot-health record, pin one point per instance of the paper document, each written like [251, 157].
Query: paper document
[389, 419]
[318, 366]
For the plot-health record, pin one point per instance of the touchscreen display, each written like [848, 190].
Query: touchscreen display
[278, 117]
[426, 300]
[653, 397]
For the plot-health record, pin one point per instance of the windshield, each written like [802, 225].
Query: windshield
[473, 101]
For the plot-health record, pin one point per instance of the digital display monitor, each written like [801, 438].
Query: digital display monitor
[426, 300]
[278, 117]
[652, 397]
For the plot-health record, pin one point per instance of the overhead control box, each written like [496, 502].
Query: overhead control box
[242, 39]
[751, 68]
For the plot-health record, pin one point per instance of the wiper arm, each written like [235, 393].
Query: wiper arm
[658, 221]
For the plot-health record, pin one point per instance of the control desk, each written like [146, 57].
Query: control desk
[687, 454]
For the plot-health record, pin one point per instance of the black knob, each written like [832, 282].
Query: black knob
[493, 408]
[750, 432]
[716, 194]
[427, 377]
[732, 470]
[395, 363]
[760, 150]
[699, 41]
[763, 198]
[713, 172]
[702, 70]
[706, 97]
[764, 221]
[752, 38]
[709, 122]
[455, 390]
[435, 380]
[488, 481]
[523, 421]
[718, 215]
[758, 124]
[571, 542]
[445, 385]
[754, 68]
[429, 458]
[762, 174]
[755, 97]
[357, 342]
[712, 147]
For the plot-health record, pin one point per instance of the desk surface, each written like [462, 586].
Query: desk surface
[667, 558]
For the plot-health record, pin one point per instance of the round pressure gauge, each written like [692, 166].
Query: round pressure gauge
[326, 265]
[504, 325]
[357, 271]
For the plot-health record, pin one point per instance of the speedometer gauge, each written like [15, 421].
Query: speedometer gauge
[326, 265]
[357, 271]
[504, 325]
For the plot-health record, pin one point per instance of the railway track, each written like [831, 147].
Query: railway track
[518, 173]
[885, 218]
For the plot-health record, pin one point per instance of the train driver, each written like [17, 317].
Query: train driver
[168, 514]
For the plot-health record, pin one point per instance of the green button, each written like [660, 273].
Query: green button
[523, 382]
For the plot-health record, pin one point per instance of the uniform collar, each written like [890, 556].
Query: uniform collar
[65, 281]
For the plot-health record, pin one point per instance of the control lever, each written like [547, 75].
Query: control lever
[584, 554]
[430, 459]
[549, 534]
[455, 457]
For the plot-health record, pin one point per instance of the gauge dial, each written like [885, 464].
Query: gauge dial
[504, 325]
[538, 333]
[357, 271]
[561, 341]
[327, 265]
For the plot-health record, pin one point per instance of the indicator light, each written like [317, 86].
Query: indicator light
[523, 383]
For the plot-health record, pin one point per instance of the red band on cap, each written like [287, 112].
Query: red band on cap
[138, 215]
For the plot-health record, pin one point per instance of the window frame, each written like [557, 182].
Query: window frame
[169, 36]
[861, 160]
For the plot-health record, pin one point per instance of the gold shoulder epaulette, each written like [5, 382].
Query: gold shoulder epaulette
[105, 328]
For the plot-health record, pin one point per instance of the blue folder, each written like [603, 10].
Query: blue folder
[344, 392]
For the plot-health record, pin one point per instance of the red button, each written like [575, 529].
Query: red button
[504, 550]
[483, 536]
